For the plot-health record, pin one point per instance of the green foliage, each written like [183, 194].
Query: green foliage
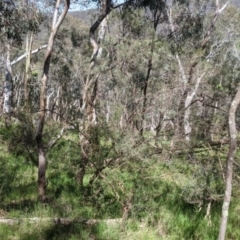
[20, 139]
[101, 146]
[163, 196]
[132, 22]
[79, 39]
[191, 31]
[165, 187]
[16, 21]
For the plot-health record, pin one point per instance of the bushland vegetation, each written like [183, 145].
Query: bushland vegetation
[120, 122]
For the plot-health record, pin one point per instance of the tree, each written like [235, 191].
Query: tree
[15, 22]
[42, 161]
[229, 166]
[233, 119]
[188, 75]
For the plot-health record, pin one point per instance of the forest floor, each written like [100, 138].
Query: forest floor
[169, 200]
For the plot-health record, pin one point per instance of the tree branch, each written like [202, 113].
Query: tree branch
[18, 59]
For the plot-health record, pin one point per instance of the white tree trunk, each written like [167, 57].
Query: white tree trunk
[231, 154]
[101, 34]
[7, 106]
[187, 113]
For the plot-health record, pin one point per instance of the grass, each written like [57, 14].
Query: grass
[168, 199]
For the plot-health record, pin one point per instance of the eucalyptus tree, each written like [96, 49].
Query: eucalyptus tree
[42, 161]
[192, 40]
[227, 86]
[90, 89]
[10, 28]
[17, 19]
[229, 167]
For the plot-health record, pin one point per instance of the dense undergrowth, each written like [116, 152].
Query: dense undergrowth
[163, 194]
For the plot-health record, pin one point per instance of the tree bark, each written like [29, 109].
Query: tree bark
[42, 161]
[8, 85]
[29, 43]
[187, 112]
[229, 167]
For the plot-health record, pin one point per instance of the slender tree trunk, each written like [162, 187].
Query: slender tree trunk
[187, 112]
[229, 167]
[184, 125]
[91, 83]
[145, 87]
[48, 107]
[8, 85]
[29, 42]
[42, 161]
[91, 87]
[150, 60]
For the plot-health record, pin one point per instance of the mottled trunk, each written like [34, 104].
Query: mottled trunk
[229, 167]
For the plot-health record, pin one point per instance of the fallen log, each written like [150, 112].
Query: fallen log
[63, 221]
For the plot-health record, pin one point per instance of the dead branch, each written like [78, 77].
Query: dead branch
[63, 221]
[18, 59]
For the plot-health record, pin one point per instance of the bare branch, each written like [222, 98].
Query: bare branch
[18, 59]
[211, 28]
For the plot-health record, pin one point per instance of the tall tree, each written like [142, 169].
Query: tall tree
[10, 31]
[17, 18]
[189, 75]
[229, 167]
[90, 90]
[42, 161]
